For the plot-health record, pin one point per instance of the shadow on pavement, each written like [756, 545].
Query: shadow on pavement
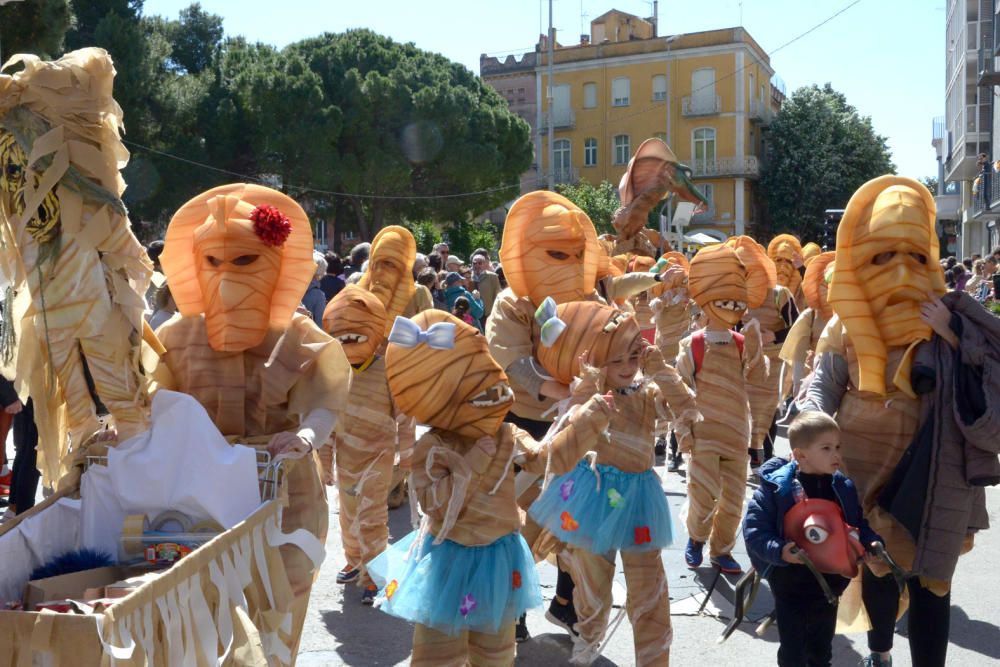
[970, 634]
[551, 649]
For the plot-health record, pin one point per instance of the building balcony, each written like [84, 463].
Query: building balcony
[986, 72]
[986, 201]
[561, 120]
[701, 105]
[565, 175]
[760, 112]
[744, 167]
[947, 206]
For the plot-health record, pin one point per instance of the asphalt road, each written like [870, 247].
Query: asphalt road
[340, 631]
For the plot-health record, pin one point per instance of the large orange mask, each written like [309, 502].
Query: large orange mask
[440, 371]
[570, 329]
[242, 255]
[356, 318]
[388, 276]
[887, 265]
[549, 248]
[718, 284]
[784, 250]
[809, 252]
[761, 272]
[816, 283]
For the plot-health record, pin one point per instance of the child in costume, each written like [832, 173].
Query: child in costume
[467, 575]
[366, 445]
[612, 501]
[774, 309]
[829, 527]
[891, 336]
[238, 259]
[718, 364]
[799, 348]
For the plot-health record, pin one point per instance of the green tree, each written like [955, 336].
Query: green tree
[931, 182]
[819, 151]
[464, 237]
[196, 36]
[34, 26]
[425, 233]
[599, 202]
[414, 126]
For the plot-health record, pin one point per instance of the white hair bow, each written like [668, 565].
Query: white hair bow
[552, 326]
[407, 333]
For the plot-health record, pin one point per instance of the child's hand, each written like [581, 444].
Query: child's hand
[878, 567]
[487, 445]
[589, 382]
[789, 554]
[607, 403]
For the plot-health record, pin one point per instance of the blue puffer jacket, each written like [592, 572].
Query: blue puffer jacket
[763, 526]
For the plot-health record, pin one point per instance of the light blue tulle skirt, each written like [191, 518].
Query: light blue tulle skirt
[452, 587]
[625, 511]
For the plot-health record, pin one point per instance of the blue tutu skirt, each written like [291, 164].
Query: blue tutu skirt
[452, 587]
[628, 512]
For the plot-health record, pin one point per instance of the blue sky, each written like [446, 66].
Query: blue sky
[886, 56]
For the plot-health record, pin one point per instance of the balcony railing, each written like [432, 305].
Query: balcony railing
[760, 112]
[748, 167]
[986, 200]
[568, 175]
[987, 71]
[701, 105]
[561, 120]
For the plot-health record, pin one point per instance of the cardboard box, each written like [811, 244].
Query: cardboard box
[74, 585]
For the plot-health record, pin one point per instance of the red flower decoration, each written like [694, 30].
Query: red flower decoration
[642, 535]
[516, 580]
[271, 225]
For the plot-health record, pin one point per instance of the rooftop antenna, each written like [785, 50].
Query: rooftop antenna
[741, 13]
[583, 18]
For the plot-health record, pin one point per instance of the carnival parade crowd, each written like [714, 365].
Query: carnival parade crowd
[540, 377]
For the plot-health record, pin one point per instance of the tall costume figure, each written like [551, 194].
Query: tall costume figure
[367, 443]
[718, 364]
[799, 348]
[467, 575]
[906, 374]
[672, 309]
[238, 259]
[774, 309]
[78, 272]
[389, 274]
[786, 253]
[612, 501]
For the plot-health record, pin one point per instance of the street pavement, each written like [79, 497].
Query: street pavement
[339, 630]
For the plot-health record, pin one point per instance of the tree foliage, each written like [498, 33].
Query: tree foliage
[464, 237]
[425, 233]
[35, 26]
[599, 202]
[819, 151]
[354, 126]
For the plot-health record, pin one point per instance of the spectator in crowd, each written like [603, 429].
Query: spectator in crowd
[454, 288]
[978, 267]
[461, 311]
[950, 262]
[453, 263]
[502, 277]
[359, 255]
[484, 280]
[996, 254]
[314, 300]
[442, 250]
[960, 277]
[332, 283]
[163, 307]
[24, 477]
[967, 263]
[984, 290]
[154, 250]
[434, 262]
[485, 253]
[419, 264]
[429, 279]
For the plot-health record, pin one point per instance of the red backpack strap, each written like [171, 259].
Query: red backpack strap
[698, 348]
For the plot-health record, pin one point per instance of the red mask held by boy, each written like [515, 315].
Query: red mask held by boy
[818, 528]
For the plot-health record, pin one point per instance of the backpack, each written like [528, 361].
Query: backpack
[698, 347]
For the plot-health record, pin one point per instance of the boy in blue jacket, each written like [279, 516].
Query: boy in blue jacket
[806, 620]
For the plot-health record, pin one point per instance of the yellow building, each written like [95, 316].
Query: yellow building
[616, 88]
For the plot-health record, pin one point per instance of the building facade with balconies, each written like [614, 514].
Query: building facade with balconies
[709, 95]
[970, 127]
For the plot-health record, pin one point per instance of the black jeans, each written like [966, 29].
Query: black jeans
[928, 619]
[805, 627]
[24, 473]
